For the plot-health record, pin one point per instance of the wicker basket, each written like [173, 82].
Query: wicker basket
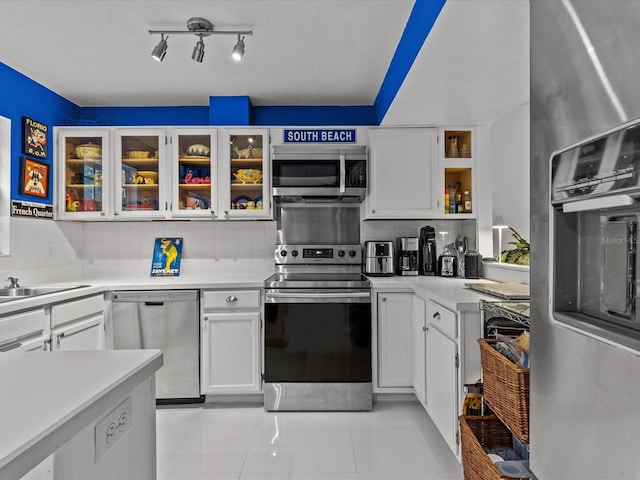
[476, 433]
[506, 389]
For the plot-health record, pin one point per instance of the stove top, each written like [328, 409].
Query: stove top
[317, 280]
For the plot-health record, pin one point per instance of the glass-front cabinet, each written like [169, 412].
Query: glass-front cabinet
[194, 154]
[244, 174]
[141, 190]
[82, 172]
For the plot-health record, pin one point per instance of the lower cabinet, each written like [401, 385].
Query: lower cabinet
[394, 339]
[442, 397]
[78, 324]
[231, 326]
[419, 336]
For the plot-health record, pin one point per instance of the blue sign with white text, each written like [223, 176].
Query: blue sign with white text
[320, 136]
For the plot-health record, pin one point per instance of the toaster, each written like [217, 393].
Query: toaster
[447, 266]
[379, 258]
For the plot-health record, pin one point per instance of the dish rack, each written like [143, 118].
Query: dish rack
[506, 318]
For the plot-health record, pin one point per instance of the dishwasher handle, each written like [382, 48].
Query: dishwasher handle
[154, 304]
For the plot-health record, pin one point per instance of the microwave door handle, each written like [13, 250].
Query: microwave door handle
[343, 173]
[601, 203]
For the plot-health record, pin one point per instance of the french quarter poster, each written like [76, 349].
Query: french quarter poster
[34, 138]
[167, 253]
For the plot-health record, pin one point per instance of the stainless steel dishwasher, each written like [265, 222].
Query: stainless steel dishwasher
[168, 320]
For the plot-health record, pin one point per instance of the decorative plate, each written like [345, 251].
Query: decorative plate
[240, 202]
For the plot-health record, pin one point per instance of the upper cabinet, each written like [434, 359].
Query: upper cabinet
[455, 173]
[403, 165]
[81, 170]
[157, 173]
[140, 157]
[194, 154]
[244, 172]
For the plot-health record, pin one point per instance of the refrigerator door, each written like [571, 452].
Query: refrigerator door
[168, 321]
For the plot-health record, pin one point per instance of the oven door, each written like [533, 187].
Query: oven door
[317, 336]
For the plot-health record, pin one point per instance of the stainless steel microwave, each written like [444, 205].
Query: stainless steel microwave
[300, 171]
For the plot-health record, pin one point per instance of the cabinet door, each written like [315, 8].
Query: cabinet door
[82, 190]
[394, 340]
[402, 173]
[419, 333]
[442, 380]
[194, 177]
[85, 335]
[143, 186]
[244, 174]
[231, 353]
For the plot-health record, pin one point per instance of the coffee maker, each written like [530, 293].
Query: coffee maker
[427, 246]
[407, 256]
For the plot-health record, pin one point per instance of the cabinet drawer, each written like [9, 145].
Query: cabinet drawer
[230, 299]
[76, 310]
[22, 324]
[442, 318]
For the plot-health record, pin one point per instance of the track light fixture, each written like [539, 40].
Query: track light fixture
[238, 50]
[201, 28]
[160, 50]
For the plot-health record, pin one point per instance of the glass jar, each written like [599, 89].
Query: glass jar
[453, 147]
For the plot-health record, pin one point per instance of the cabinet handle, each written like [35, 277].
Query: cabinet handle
[436, 315]
[384, 299]
[102, 214]
[232, 299]
[424, 329]
[116, 213]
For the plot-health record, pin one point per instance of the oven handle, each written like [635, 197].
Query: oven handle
[319, 295]
[343, 173]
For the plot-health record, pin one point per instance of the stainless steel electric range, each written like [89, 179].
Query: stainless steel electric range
[317, 344]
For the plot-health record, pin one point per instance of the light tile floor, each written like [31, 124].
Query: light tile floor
[395, 441]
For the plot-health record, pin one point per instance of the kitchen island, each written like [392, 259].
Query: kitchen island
[94, 410]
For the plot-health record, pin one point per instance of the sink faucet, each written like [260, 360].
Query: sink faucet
[13, 282]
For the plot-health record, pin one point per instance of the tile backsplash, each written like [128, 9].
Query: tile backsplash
[49, 251]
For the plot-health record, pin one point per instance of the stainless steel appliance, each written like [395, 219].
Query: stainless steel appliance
[583, 386]
[168, 320]
[317, 350]
[428, 257]
[379, 258]
[408, 256]
[447, 265]
[319, 170]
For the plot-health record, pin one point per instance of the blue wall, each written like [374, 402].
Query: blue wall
[20, 96]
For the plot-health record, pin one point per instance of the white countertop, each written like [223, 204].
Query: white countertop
[449, 292]
[48, 397]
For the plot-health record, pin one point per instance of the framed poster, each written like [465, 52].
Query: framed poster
[34, 138]
[35, 178]
[167, 253]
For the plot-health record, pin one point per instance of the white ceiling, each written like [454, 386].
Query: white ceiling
[474, 64]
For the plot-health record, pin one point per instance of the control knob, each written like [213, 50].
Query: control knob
[341, 253]
[294, 253]
[283, 253]
[352, 253]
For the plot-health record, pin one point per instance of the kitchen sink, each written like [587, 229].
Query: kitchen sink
[22, 292]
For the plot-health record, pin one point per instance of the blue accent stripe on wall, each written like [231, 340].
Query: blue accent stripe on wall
[422, 18]
[153, 116]
[313, 115]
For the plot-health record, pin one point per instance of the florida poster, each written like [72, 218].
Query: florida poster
[167, 253]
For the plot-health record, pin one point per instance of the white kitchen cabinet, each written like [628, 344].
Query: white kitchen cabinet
[394, 314]
[24, 331]
[455, 167]
[231, 326]
[143, 189]
[419, 336]
[442, 373]
[194, 162]
[83, 174]
[402, 173]
[244, 174]
[78, 324]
